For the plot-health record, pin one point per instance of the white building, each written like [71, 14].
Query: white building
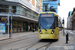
[24, 13]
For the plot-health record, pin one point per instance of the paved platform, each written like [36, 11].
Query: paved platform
[61, 43]
[16, 40]
[15, 35]
[62, 40]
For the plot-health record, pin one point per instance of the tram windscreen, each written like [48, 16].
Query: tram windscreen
[47, 22]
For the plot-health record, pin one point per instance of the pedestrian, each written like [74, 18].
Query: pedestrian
[33, 29]
[29, 28]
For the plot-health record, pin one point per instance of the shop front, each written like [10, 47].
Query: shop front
[25, 26]
[17, 26]
[21, 26]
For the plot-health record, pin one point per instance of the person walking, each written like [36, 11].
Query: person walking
[33, 29]
[29, 28]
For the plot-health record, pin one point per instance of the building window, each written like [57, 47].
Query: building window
[39, 6]
[39, 0]
[30, 1]
[46, 6]
[22, 11]
[4, 8]
[48, 0]
[13, 9]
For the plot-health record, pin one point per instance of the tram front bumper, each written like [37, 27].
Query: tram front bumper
[46, 36]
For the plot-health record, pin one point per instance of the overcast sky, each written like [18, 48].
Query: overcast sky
[64, 8]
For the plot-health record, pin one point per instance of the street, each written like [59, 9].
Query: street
[31, 42]
[37, 24]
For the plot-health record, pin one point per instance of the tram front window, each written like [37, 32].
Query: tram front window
[47, 23]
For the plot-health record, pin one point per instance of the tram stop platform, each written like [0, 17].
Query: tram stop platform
[15, 35]
[62, 40]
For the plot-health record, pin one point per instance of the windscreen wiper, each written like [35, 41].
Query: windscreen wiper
[43, 27]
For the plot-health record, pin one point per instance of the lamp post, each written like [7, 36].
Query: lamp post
[9, 24]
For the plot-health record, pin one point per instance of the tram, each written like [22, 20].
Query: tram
[48, 25]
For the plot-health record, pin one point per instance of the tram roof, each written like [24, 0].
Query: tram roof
[49, 12]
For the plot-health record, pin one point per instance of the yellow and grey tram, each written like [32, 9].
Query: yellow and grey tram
[48, 25]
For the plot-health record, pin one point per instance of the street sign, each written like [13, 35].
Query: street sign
[4, 18]
[2, 27]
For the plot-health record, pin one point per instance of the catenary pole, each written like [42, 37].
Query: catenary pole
[8, 24]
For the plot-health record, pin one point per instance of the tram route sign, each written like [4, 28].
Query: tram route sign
[2, 27]
[46, 15]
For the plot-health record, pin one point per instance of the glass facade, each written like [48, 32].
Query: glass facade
[4, 8]
[19, 26]
[14, 9]
[19, 10]
[48, 0]
[50, 5]
[47, 5]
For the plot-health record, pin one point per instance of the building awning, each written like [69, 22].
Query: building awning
[19, 17]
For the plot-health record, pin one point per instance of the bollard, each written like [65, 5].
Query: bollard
[33, 30]
[63, 33]
[67, 38]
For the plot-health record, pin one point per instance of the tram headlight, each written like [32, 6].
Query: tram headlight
[40, 32]
[52, 32]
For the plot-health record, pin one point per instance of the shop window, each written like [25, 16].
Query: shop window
[17, 26]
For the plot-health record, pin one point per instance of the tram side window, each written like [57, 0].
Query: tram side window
[56, 22]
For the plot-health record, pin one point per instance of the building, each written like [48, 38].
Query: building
[24, 13]
[49, 5]
[71, 20]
